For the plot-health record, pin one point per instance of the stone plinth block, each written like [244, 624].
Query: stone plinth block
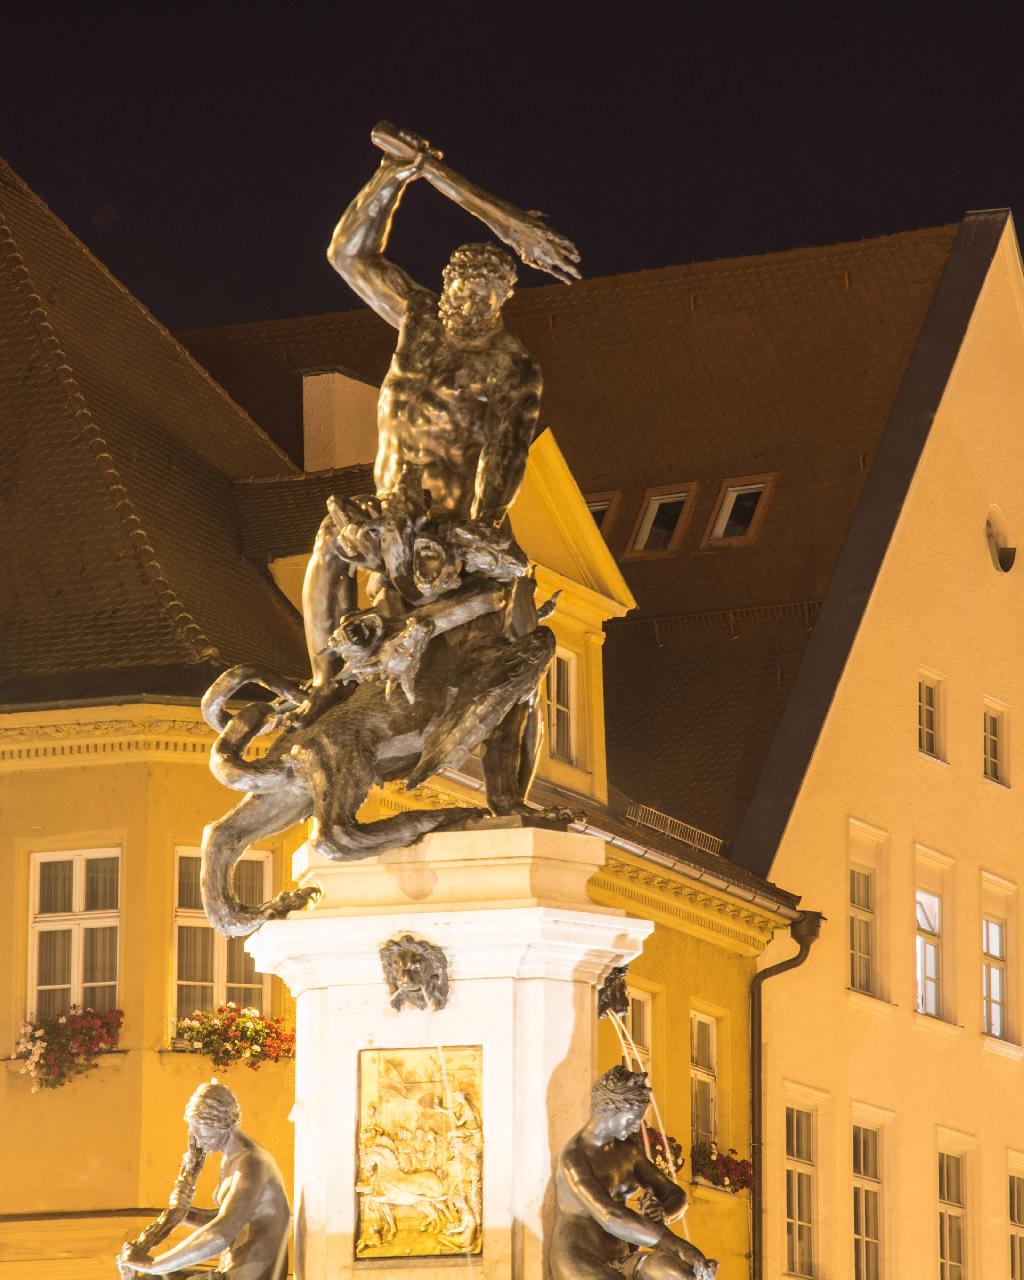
[394, 1169]
[492, 866]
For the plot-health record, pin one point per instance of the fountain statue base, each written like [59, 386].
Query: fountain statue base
[435, 1085]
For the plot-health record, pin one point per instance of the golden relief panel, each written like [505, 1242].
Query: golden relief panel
[420, 1182]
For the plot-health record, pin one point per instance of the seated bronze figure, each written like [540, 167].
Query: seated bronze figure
[597, 1236]
[248, 1230]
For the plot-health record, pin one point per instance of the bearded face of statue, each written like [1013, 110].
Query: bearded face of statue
[471, 301]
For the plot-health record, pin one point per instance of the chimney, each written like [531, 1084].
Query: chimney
[339, 420]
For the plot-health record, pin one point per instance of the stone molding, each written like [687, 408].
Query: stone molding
[314, 949]
[39, 744]
[629, 884]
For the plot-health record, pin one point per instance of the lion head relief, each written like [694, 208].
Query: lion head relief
[416, 973]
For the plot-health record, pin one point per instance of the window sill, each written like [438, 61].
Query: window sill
[713, 544]
[927, 755]
[1001, 783]
[940, 1025]
[1002, 1048]
[106, 1059]
[663, 554]
[704, 1190]
[877, 1004]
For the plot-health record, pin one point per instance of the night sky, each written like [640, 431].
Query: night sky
[204, 152]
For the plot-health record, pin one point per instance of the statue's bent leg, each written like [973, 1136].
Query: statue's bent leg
[510, 758]
[224, 842]
[339, 773]
[571, 1260]
[495, 677]
[662, 1264]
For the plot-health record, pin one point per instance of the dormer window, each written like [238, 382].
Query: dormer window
[739, 511]
[603, 507]
[662, 520]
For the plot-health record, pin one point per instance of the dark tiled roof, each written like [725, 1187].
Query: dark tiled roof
[280, 517]
[788, 363]
[691, 712]
[261, 364]
[120, 548]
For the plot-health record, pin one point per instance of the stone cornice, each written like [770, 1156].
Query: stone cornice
[683, 904]
[50, 739]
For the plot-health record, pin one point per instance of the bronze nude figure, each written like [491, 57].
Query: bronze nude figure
[450, 653]
[249, 1226]
[596, 1235]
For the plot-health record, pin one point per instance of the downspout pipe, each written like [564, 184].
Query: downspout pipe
[804, 931]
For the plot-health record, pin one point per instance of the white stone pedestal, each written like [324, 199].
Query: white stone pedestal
[525, 947]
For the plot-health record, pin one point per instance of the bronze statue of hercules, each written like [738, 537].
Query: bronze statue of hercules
[452, 621]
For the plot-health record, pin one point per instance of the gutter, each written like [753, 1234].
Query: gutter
[804, 931]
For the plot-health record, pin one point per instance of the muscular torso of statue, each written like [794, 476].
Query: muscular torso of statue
[441, 402]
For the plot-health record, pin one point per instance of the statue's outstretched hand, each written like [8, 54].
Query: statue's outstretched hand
[540, 247]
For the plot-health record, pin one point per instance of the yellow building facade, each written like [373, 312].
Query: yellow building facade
[894, 1124]
[92, 1161]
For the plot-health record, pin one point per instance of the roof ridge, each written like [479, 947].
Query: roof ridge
[305, 477]
[774, 255]
[181, 351]
[168, 602]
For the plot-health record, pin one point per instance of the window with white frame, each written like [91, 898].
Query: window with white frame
[603, 507]
[862, 929]
[703, 1077]
[662, 520]
[952, 1218]
[736, 512]
[560, 696]
[639, 1024]
[867, 1204]
[74, 931]
[799, 1192]
[928, 907]
[993, 975]
[928, 691]
[212, 970]
[993, 745]
[1016, 1227]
